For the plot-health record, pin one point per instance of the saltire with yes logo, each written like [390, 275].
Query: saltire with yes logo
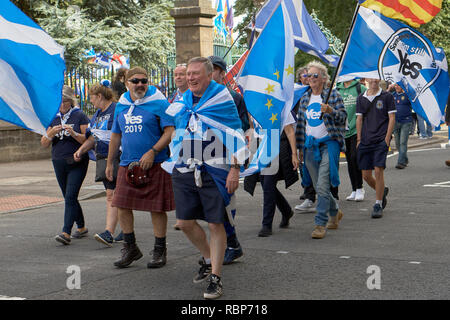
[267, 81]
[387, 49]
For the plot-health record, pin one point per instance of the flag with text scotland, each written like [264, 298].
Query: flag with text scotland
[31, 71]
[390, 50]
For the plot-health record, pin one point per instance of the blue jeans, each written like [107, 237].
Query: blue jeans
[401, 133]
[320, 176]
[70, 178]
[421, 124]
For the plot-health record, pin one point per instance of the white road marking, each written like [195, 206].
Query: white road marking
[11, 298]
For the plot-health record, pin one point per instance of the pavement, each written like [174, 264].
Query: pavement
[32, 184]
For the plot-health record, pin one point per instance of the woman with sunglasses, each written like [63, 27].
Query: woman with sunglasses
[320, 138]
[66, 134]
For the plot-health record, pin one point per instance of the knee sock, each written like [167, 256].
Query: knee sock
[129, 238]
[160, 242]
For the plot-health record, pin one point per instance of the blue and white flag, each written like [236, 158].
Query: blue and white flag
[31, 71]
[307, 35]
[384, 48]
[267, 80]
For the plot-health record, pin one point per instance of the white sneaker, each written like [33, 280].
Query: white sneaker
[306, 206]
[359, 195]
[351, 197]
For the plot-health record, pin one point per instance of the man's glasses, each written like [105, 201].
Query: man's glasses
[136, 81]
[305, 75]
[314, 75]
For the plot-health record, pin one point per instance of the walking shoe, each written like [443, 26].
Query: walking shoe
[176, 227]
[78, 235]
[351, 197]
[119, 238]
[265, 232]
[214, 289]
[386, 191]
[130, 252]
[400, 166]
[318, 232]
[232, 254]
[333, 223]
[203, 272]
[62, 239]
[447, 163]
[377, 211]
[105, 237]
[302, 197]
[285, 220]
[159, 258]
[359, 194]
[306, 206]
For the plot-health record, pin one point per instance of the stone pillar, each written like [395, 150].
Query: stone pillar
[193, 28]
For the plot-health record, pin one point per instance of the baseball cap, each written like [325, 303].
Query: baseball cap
[218, 61]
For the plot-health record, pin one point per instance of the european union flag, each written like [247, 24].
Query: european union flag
[31, 71]
[267, 79]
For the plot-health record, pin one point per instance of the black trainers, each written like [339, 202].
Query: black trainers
[203, 272]
[130, 252]
[265, 232]
[214, 289]
[377, 211]
[159, 258]
[386, 191]
[285, 220]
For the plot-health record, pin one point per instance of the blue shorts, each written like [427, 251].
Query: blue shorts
[191, 202]
[371, 156]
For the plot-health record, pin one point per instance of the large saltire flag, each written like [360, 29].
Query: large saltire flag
[387, 49]
[413, 12]
[307, 35]
[267, 80]
[31, 71]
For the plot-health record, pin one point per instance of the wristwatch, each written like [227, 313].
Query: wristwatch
[236, 166]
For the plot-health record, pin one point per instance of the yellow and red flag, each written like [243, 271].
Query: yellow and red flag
[413, 12]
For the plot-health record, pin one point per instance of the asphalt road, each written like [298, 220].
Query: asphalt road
[404, 255]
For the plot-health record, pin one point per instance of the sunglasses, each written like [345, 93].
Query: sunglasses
[136, 81]
[314, 75]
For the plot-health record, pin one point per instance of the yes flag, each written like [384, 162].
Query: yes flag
[384, 48]
[307, 35]
[413, 12]
[31, 71]
[267, 80]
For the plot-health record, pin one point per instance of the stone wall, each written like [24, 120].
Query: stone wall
[17, 144]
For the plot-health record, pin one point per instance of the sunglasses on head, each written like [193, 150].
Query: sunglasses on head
[136, 81]
[314, 75]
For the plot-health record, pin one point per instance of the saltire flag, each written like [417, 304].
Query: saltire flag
[412, 12]
[307, 35]
[31, 71]
[267, 79]
[387, 49]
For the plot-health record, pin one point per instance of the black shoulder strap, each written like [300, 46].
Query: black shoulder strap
[358, 88]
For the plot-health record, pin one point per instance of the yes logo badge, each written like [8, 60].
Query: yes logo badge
[313, 115]
[408, 57]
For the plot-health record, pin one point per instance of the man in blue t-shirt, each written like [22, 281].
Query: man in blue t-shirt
[144, 133]
[403, 123]
[375, 120]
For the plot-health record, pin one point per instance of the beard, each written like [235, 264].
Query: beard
[139, 92]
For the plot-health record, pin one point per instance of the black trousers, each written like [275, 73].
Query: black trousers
[272, 198]
[352, 163]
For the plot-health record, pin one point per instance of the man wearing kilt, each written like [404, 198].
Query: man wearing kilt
[144, 132]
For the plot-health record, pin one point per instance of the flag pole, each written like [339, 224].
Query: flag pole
[344, 51]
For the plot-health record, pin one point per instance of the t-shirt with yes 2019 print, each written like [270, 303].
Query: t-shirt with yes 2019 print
[140, 132]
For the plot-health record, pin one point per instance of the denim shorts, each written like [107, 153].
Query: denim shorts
[371, 156]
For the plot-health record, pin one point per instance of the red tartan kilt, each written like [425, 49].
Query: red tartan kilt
[156, 196]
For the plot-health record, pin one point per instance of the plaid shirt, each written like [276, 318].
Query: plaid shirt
[334, 122]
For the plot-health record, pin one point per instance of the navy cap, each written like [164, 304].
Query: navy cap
[218, 61]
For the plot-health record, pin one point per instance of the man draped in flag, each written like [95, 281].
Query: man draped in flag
[383, 48]
[207, 153]
[31, 89]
